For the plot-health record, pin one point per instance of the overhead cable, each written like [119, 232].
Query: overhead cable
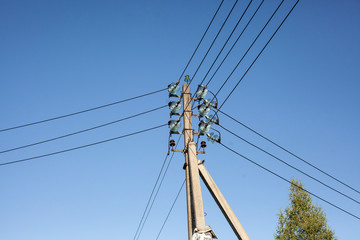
[267, 43]
[289, 165]
[291, 153]
[82, 111]
[83, 146]
[236, 41]
[201, 40]
[247, 51]
[172, 206]
[82, 131]
[286, 180]
[227, 40]
[148, 210]
[218, 33]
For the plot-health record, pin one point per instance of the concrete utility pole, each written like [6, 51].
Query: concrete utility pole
[197, 229]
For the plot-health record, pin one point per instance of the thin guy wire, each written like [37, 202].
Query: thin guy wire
[277, 175]
[83, 146]
[235, 42]
[172, 206]
[81, 131]
[288, 151]
[83, 111]
[201, 39]
[289, 165]
[157, 192]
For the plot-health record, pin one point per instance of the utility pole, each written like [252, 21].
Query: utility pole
[195, 209]
[197, 229]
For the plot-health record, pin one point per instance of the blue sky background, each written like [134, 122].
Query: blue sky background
[59, 57]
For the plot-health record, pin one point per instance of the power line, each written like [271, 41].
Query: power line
[81, 131]
[207, 52]
[289, 165]
[83, 146]
[267, 43]
[288, 151]
[172, 206]
[157, 192]
[247, 51]
[242, 32]
[227, 40]
[218, 33]
[277, 175]
[201, 39]
[152, 192]
[143, 220]
[82, 111]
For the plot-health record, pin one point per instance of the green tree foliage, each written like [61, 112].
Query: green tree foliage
[302, 220]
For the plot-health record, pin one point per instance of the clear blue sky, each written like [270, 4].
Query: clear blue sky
[58, 57]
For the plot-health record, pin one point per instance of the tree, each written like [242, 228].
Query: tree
[302, 220]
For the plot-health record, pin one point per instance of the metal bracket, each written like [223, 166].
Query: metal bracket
[177, 150]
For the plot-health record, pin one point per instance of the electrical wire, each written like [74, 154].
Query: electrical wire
[289, 165]
[82, 131]
[83, 146]
[236, 41]
[152, 192]
[207, 52]
[288, 151]
[201, 39]
[252, 44]
[227, 40]
[82, 111]
[218, 33]
[157, 192]
[267, 43]
[286, 180]
[172, 206]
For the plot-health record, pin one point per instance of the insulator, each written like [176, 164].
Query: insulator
[173, 88]
[172, 143]
[174, 125]
[211, 119]
[212, 137]
[174, 106]
[204, 128]
[204, 110]
[187, 78]
[203, 144]
[212, 103]
[201, 91]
